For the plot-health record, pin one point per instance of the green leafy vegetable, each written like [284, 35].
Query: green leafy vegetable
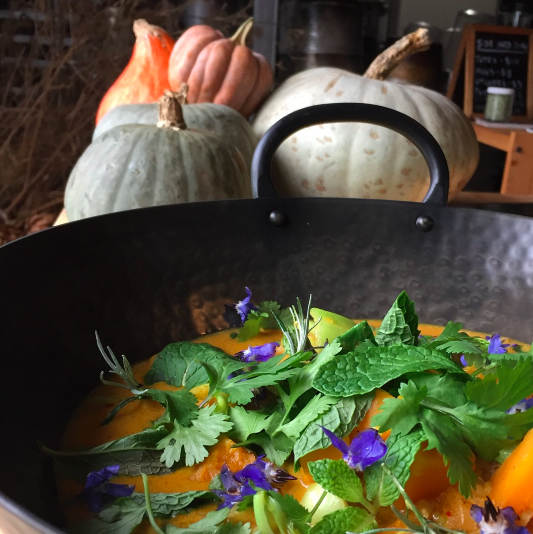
[193, 439]
[246, 422]
[208, 525]
[171, 504]
[264, 318]
[295, 512]
[349, 519]
[180, 406]
[400, 325]
[368, 368]
[358, 334]
[337, 478]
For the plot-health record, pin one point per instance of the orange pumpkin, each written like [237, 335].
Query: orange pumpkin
[220, 70]
[145, 77]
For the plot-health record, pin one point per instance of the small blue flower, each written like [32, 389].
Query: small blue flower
[365, 449]
[522, 406]
[263, 474]
[492, 520]
[463, 361]
[97, 487]
[232, 493]
[495, 345]
[259, 353]
[244, 307]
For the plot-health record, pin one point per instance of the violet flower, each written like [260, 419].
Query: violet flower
[97, 487]
[365, 449]
[522, 406]
[259, 353]
[463, 361]
[244, 307]
[492, 520]
[495, 344]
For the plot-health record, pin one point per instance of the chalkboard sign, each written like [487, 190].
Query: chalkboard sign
[494, 56]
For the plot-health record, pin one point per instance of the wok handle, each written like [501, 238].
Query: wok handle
[262, 185]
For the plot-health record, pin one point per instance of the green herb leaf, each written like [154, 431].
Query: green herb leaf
[171, 504]
[360, 333]
[178, 364]
[368, 368]
[341, 418]
[295, 512]
[400, 325]
[207, 525]
[337, 478]
[135, 454]
[193, 439]
[119, 518]
[269, 310]
[246, 422]
[251, 327]
[277, 448]
[504, 388]
[349, 519]
[180, 406]
[401, 452]
[446, 388]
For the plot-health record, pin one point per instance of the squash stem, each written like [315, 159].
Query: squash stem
[171, 112]
[239, 37]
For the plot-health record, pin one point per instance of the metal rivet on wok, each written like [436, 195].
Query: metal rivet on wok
[425, 223]
[277, 218]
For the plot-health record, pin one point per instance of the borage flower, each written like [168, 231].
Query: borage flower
[365, 449]
[522, 406]
[495, 344]
[259, 474]
[492, 520]
[259, 353]
[244, 307]
[98, 488]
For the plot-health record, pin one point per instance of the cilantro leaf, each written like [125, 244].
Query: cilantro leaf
[368, 368]
[446, 388]
[135, 454]
[251, 327]
[401, 415]
[269, 310]
[295, 512]
[504, 388]
[207, 525]
[444, 435]
[400, 325]
[401, 452]
[246, 422]
[337, 478]
[119, 518]
[180, 406]
[193, 439]
[277, 448]
[314, 408]
[450, 330]
[349, 519]
[341, 418]
[458, 346]
[178, 364]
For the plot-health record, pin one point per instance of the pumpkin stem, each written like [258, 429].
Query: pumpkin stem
[170, 112]
[182, 93]
[141, 29]
[239, 37]
[410, 44]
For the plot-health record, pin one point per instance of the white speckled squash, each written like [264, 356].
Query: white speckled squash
[211, 117]
[360, 160]
[141, 165]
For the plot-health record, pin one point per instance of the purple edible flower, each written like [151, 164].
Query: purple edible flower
[522, 406]
[244, 307]
[463, 361]
[495, 345]
[98, 486]
[232, 493]
[259, 353]
[365, 449]
[263, 474]
[492, 520]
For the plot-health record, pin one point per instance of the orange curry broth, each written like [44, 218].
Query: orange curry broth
[428, 485]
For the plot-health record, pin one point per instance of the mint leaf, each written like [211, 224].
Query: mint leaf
[193, 439]
[400, 325]
[358, 334]
[314, 408]
[504, 388]
[180, 406]
[135, 454]
[119, 518]
[178, 364]
[341, 418]
[401, 415]
[234, 528]
[401, 452]
[295, 512]
[337, 478]
[171, 504]
[443, 434]
[368, 368]
[246, 422]
[207, 525]
[349, 519]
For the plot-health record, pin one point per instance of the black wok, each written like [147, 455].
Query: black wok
[145, 278]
